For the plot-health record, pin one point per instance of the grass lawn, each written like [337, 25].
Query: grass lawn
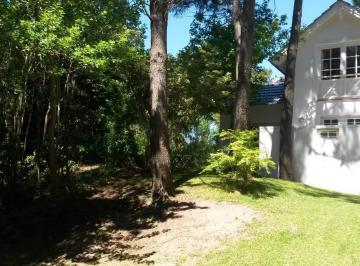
[299, 225]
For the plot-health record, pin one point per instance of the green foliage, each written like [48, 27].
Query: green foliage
[356, 2]
[204, 71]
[191, 114]
[95, 52]
[240, 158]
[191, 147]
[214, 25]
[201, 78]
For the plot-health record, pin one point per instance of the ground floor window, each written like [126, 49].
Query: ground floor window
[329, 134]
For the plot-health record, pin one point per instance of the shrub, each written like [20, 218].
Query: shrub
[240, 157]
[191, 147]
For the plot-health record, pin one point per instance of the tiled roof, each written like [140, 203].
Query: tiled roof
[269, 94]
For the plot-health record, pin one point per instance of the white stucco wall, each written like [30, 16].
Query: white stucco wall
[332, 164]
[269, 144]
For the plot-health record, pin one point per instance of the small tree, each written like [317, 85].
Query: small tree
[240, 158]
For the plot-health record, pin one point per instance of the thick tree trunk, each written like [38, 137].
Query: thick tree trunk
[286, 167]
[245, 24]
[159, 143]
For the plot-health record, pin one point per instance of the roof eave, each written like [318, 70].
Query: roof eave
[279, 63]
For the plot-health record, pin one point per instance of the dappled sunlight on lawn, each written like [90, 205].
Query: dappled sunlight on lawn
[301, 225]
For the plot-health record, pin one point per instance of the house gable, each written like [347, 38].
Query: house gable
[326, 108]
[326, 100]
[313, 86]
[338, 11]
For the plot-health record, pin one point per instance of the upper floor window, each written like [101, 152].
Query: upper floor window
[331, 122]
[330, 63]
[352, 61]
[353, 121]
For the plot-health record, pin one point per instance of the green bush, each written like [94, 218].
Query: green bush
[240, 157]
[190, 148]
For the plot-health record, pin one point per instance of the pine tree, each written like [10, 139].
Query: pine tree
[244, 32]
[286, 168]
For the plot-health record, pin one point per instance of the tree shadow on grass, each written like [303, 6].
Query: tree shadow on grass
[259, 189]
[256, 188]
[320, 193]
[84, 228]
[181, 177]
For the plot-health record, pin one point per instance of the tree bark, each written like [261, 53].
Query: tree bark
[51, 134]
[236, 15]
[244, 23]
[286, 134]
[159, 144]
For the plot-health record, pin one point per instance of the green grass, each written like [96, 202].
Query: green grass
[299, 225]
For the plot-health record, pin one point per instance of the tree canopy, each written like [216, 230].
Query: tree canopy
[74, 83]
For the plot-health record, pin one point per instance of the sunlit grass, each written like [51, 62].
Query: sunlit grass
[299, 225]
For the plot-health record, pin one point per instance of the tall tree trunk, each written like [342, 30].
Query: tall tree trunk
[286, 167]
[53, 107]
[159, 144]
[236, 15]
[15, 134]
[39, 131]
[245, 23]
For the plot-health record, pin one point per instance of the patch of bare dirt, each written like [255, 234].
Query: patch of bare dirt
[194, 229]
[115, 226]
[190, 228]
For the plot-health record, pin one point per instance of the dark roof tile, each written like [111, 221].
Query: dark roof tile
[269, 94]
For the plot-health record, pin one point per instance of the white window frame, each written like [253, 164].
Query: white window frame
[356, 57]
[330, 122]
[330, 75]
[353, 121]
[343, 62]
[329, 133]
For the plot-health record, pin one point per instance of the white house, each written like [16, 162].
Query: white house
[326, 118]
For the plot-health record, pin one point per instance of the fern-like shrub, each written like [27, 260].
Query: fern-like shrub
[240, 158]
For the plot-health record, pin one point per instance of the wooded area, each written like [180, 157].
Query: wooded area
[104, 142]
[75, 87]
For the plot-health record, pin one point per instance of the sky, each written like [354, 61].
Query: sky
[179, 26]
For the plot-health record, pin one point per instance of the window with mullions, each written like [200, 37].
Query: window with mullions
[331, 122]
[329, 134]
[330, 63]
[353, 122]
[352, 61]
